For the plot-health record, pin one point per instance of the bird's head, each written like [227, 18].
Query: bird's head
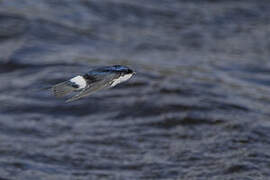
[123, 70]
[119, 69]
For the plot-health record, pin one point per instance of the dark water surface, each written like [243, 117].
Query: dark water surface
[198, 108]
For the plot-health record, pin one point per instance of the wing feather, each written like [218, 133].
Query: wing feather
[85, 92]
[98, 84]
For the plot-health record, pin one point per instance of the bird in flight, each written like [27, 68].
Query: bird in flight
[95, 80]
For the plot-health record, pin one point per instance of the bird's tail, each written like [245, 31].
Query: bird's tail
[62, 89]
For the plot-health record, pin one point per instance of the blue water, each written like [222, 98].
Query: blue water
[198, 107]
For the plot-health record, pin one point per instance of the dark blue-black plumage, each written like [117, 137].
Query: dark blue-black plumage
[111, 69]
[96, 79]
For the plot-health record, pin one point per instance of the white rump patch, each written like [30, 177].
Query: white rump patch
[80, 81]
[121, 79]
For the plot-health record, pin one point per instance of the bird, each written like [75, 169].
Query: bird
[99, 78]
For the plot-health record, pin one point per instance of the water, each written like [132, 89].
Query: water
[198, 107]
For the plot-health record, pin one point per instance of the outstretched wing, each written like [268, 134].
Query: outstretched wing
[100, 83]
[74, 84]
[64, 88]
[85, 92]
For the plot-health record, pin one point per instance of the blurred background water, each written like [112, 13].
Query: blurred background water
[198, 107]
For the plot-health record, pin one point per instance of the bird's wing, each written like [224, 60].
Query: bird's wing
[85, 92]
[63, 88]
[93, 87]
